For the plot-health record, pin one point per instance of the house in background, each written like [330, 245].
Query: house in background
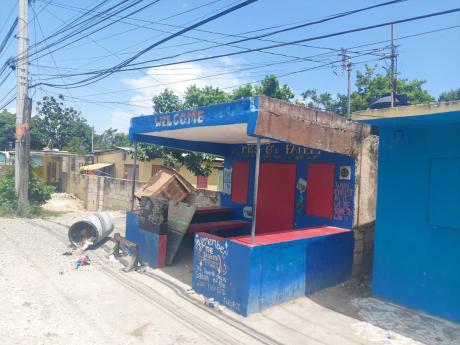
[49, 164]
[417, 235]
[122, 161]
[5, 158]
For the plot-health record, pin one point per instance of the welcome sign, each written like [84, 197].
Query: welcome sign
[193, 117]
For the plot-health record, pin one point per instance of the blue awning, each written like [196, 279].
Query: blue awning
[209, 129]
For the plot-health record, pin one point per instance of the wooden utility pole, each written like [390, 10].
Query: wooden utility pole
[393, 69]
[92, 140]
[23, 108]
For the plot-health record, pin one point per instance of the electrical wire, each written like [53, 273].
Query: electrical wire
[122, 67]
[261, 37]
[106, 73]
[80, 30]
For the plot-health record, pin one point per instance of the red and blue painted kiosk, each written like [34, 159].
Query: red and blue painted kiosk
[285, 229]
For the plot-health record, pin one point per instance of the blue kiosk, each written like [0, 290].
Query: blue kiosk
[284, 226]
[417, 235]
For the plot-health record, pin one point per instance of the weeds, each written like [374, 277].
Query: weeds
[39, 193]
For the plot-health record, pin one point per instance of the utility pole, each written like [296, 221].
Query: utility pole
[92, 140]
[393, 69]
[23, 108]
[347, 65]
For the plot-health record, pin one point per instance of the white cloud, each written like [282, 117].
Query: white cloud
[177, 79]
[120, 119]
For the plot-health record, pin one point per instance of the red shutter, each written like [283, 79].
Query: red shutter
[240, 180]
[320, 190]
[202, 182]
[276, 195]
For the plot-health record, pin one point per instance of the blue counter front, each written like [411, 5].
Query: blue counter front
[248, 278]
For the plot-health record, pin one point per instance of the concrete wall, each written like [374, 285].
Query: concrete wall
[99, 193]
[76, 184]
[417, 238]
[365, 201]
[105, 193]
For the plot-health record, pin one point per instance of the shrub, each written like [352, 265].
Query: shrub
[39, 193]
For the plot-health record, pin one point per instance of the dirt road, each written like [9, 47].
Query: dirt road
[45, 300]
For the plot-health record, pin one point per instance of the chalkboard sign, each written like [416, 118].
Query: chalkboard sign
[153, 215]
[179, 218]
[210, 268]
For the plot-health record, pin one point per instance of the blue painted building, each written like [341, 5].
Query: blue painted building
[290, 183]
[417, 236]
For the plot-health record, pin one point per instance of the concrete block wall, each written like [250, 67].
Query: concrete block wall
[76, 184]
[365, 201]
[99, 193]
[115, 194]
[105, 193]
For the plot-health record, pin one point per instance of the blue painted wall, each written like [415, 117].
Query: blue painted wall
[249, 279]
[417, 237]
[151, 249]
[284, 153]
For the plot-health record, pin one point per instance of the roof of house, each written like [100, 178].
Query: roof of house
[442, 112]
[118, 148]
[96, 166]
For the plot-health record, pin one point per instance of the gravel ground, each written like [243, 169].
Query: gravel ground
[45, 300]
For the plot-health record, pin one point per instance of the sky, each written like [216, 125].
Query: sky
[111, 102]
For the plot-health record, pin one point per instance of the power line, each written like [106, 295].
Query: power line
[326, 35]
[261, 37]
[106, 73]
[199, 39]
[36, 20]
[75, 22]
[8, 35]
[79, 30]
[122, 67]
[319, 67]
[239, 70]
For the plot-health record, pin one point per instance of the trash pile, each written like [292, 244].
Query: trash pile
[83, 260]
[90, 230]
[86, 233]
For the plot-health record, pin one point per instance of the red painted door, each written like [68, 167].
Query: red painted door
[275, 200]
[320, 189]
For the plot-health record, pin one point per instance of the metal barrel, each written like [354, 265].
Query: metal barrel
[93, 228]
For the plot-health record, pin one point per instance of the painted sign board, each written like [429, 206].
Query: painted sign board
[248, 279]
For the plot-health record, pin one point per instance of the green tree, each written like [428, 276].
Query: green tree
[39, 193]
[325, 101]
[7, 130]
[197, 97]
[243, 92]
[59, 125]
[369, 87]
[198, 163]
[166, 102]
[448, 96]
[270, 86]
[110, 139]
